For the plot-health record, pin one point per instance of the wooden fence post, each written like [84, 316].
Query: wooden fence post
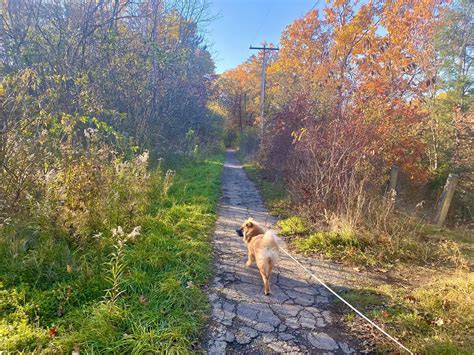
[393, 178]
[445, 199]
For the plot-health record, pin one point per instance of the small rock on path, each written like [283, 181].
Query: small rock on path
[295, 318]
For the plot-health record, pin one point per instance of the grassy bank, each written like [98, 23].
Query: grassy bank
[434, 317]
[125, 292]
[427, 301]
[386, 238]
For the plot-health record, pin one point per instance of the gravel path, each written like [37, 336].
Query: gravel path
[295, 318]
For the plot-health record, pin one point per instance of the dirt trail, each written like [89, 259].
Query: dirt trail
[296, 317]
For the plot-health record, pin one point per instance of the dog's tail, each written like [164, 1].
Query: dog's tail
[270, 235]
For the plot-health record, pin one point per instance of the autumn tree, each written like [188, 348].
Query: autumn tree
[350, 95]
[144, 60]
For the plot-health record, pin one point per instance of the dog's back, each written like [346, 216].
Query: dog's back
[269, 241]
[266, 251]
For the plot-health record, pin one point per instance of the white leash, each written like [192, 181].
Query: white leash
[348, 304]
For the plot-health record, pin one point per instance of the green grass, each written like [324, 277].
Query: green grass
[341, 245]
[52, 295]
[463, 237]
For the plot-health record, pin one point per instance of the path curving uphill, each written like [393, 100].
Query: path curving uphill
[295, 318]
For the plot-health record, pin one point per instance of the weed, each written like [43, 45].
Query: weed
[116, 263]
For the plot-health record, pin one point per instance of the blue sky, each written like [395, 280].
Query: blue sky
[242, 23]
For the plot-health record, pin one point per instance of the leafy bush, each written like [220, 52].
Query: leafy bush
[293, 226]
[68, 173]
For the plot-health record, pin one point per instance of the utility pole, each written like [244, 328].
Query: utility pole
[262, 94]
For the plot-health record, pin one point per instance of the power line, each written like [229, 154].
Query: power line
[314, 6]
[264, 18]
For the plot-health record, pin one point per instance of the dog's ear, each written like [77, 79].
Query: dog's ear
[249, 224]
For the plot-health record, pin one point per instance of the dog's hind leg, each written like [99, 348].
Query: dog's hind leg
[266, 283]
[250, 260]
[266, 272]
[269, 272]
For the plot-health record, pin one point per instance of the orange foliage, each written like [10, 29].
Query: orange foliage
[370, 64]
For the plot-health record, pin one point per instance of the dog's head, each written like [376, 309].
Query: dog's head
[249, 230]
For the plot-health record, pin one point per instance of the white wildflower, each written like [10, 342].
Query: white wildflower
[90, 132]
[143, 158]
[118, 232]
[393, 195]
[134, 233]
[420, 204]
[97, 235]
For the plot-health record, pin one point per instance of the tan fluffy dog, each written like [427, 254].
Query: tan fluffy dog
[262, 247]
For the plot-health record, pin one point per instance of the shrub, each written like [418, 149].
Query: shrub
[293, 226]
[67, 173]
